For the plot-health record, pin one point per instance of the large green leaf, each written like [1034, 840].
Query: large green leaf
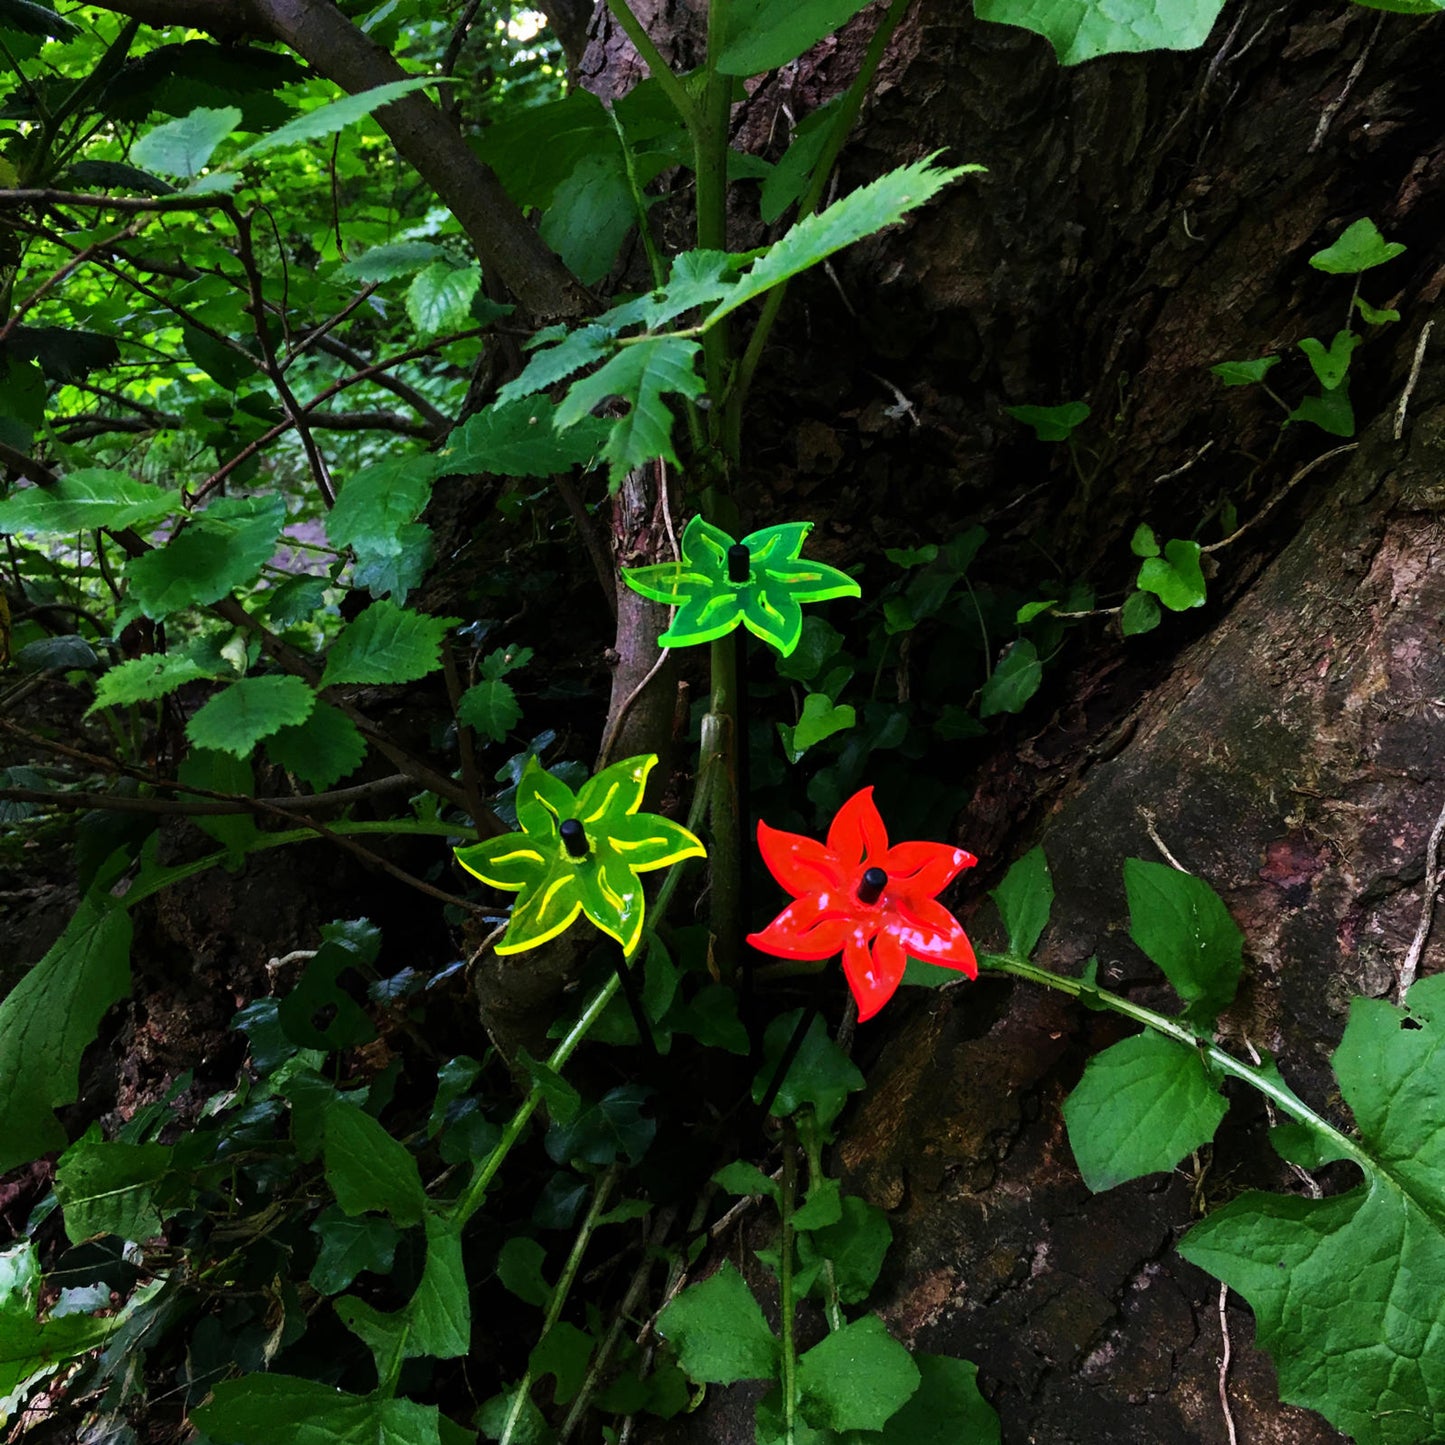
[520, 439]
[946, 1409]
[1082, 29]
[373, 506]
[1360, 247]
[719, 1332]
[440, 298]
[349, 1245]
[320, 751]
[327, 120]
[1347, 1290]
[144, 679]
[856, 1378]
[1024, 900]
[47, 1021]
[1183, 925]
[1140, 1108]
[590, 216]
[238, 717]
[643, 376]
[387, 644]
[1013, 682]
[83, 500]
[1176, 578]
[286, 1410]
[110, 1188]
[367, 1169]
[386, 263]
[222, 549]
[183, 147]
[762, 34]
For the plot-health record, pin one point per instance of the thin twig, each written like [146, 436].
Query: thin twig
[1411, 965]
[609, 741]
[1327, 116]
[1280, 495]
[1409, 390]
[1159, 843]
[53, 280]
[1224, 1368]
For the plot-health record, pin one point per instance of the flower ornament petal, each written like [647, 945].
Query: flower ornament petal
[579, 853]
[760, 583]
[875, 904]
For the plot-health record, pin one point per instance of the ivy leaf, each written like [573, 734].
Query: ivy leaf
[1051, 423]
[1015, 680]
[613, 1127]
[144, 679]
[1024, 900]
[372, 508]
[1141, 1107]
[367, 1169]
[1140, 613]
[761, 35]
[1331, 411]
[219, 551]
[1243, 373]
[321, 750]
[1375, 315]
[519, 1268]
[1360, 247]
[85, 500]
[491, 707]
[48, 1020]
[719, 1331]
[860, 213]
[856, 1378]
[236, 719]
[521, 439]
[1176, 578]
[1330, 364]
[1346, 1290]
[641, 375]
[274, 1409]
[184, 147]
[1183, 925]
[820, 719]
[1082, 29]
[440, 298]
[821, 1074]
[386, 644]
[349, 1246]
[110, 1188]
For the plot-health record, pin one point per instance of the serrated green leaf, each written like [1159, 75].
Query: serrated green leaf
[49, 1019]
[1015, 680]
[1024, 900]
[184, 147]
[276, 1409]
[1081, 29]
[1051, 423]
[555, 363]
[350, 1245]
[386, 644]
[761, 35]
[1346, 1290]
[719, 1332]
[521, 439]
[856, 1378]
[1183, 925]
[855, 1246]
[440, 298]
[238, 717]
[375, 505]
[110, 1188]
[491, 707]
[1176, 578]
[1141, 1107]
[643, 376]
[367, 1169]
[144, 679]
[1140, 613]
[1360, 247]
[83, 501]
[336, 116]
[387, 263]
[1330, 364]
[821, 1074]
[1243, 373]
[862, 212]
[222, 549]
[590, 215]
[320, 751]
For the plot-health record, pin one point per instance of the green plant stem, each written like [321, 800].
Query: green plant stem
[786, 1305]
[662, 72]
[848, 111]
[812, 1140]
[710, 164]
[721, 744]
[600, 1194]
[1282, 1097]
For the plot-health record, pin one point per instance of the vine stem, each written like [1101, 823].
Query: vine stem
[1279, 1093]
[786, 1191]
[600, 1195]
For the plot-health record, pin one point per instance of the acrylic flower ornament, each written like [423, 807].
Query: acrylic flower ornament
[876, 904]
[579, 853]
[760, 582]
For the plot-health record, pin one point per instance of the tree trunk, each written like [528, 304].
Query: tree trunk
[1142, 218]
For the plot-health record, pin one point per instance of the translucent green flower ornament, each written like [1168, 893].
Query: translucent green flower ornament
[760, 582]
[579, 853]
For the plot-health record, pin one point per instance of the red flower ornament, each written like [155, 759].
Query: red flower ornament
[878, 905]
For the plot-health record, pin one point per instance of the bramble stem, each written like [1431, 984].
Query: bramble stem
[1280, 1094]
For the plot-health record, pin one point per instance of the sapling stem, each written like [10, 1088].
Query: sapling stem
[602, 1190]
[725, 855]
[786, 1192]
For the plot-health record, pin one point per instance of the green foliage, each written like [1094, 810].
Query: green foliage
[857, 1378]
[83, 500]
[1176, 578]
[367, 1169]
[386, 644]
[276, 1409]
[326, 747]
[1346, 1289]
[235, 720]
[821, 1075]
[1244, 373]
[378, 502]
[1051, 423]
[1024, 900]
[761, 36]
[111, 1188]
[1360, 247]
[1081, 31]
[522, 439]
[1013, 682]
[183, 148]
[718, 1331]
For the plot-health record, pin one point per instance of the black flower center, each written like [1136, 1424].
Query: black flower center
[740, 563]
[574, 837]
[872, 884]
